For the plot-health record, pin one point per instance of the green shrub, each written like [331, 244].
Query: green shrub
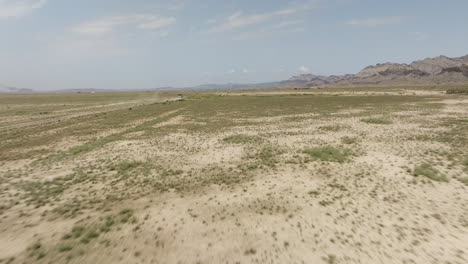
[37, 250]
[126, 166]
[76, 232]
[463, 180]
[328, 153]
[125, 215]
[268, 155]
[332, 128]
[429, 172]
[65, 247]
[348, 140]
[242, 139]
[377, 121]
[457, 90]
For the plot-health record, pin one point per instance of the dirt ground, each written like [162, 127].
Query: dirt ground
[245, 177]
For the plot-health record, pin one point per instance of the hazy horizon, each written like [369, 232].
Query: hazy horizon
[50, 44]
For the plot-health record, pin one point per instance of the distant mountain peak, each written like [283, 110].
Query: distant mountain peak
[386, 69]
[441, 69]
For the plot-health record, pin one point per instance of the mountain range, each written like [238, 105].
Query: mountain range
[436, 70]
[10, 89]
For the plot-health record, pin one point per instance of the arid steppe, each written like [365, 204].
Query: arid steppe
[344, 175]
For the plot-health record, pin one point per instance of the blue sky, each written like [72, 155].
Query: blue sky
[135, 44]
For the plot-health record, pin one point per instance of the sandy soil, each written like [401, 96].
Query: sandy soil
[369, 209]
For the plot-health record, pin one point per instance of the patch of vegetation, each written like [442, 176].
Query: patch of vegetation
[422, 137]
[125, 215]
[465, 163]
[37, 250]
[457, 90]
[94, 144]
[328, 153]
[349, 140]
[41, 193]
[34, 141]
[330, 259]
[126, 166]
[331, 128]
[100, 142]
[242, 139]
[456, 136]
[463, 180]
[65, 247]
[428, 171]
[84, 234]
[267, 155]
[250, 251]
[76, 232]
[377, 121]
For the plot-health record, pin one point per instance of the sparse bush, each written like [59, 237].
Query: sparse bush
[429, 172]
[349, 140]
[251, 251]
[332, 128]
[377, 121]
[93, 144]
[328, 153]
[242, 139]
[465, 163]
[76, 232]
[267, 155]
[106, 226]
[42, 193]
[37, 250]
[125, 215]
[463, 180]
[91, 234]
[126, 166]
[65, 247]
[457, 90]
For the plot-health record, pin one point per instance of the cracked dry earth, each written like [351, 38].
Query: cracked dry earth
[242, 179]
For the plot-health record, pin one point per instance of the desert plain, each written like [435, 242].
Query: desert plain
[332, 175]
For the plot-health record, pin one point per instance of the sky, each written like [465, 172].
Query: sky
[143, 44]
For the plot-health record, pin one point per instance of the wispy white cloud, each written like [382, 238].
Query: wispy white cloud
[95, 38]
[419, 35]
[244, 71]
[288, 23]
[107, 24]
[372, 22]
[239, 20]
[19, 8]
[303, 69]
[157, 22]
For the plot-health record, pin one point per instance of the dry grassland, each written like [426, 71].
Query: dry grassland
[286, 176]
